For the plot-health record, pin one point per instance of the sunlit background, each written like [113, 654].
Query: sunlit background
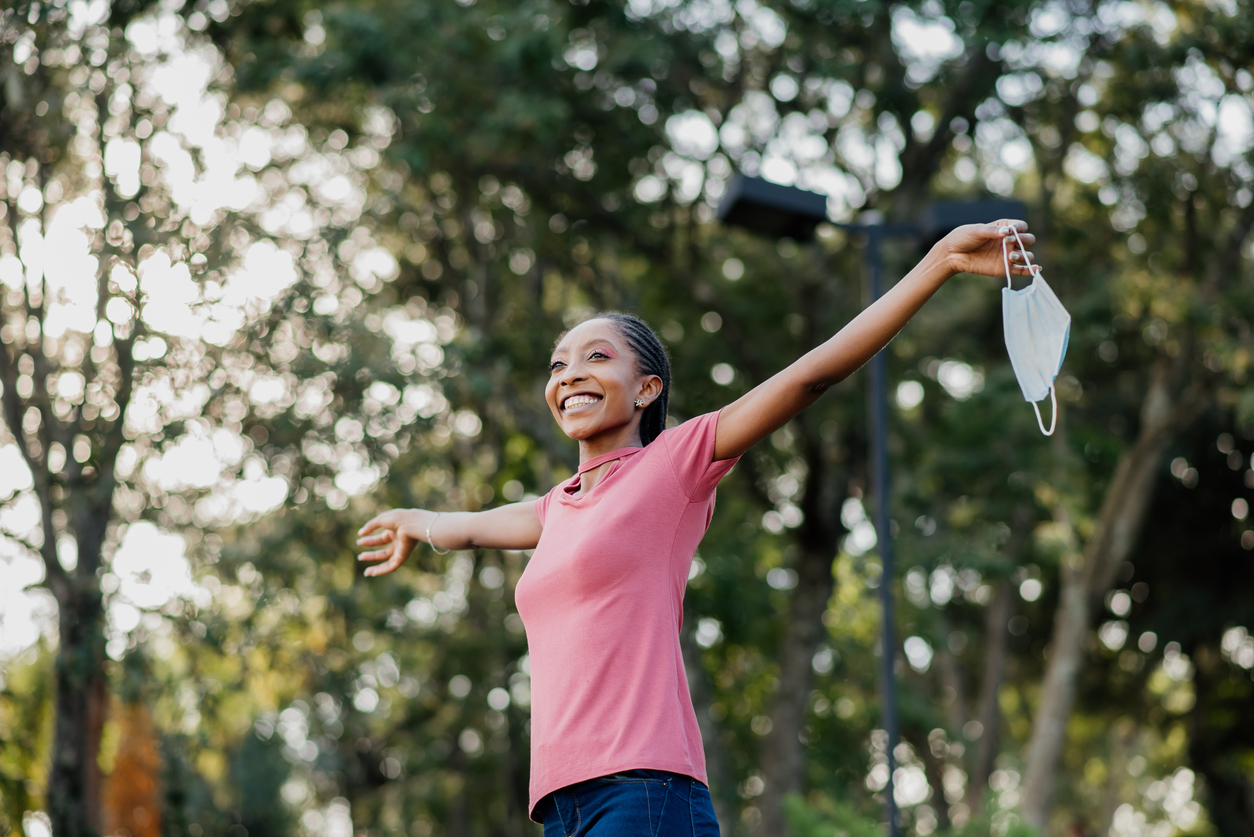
[330, 247]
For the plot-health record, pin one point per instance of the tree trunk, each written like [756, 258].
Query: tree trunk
[1066, 652]
[783, 751]
[458, 816]
[74, 778]
[1087, 577]
[934, 769]
[783, 754]
[722, 782]
[995, 653]
[951, 679]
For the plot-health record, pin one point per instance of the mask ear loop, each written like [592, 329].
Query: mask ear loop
[1053, 421]
[1034, 269]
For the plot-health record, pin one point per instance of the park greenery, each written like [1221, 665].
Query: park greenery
[270, 267]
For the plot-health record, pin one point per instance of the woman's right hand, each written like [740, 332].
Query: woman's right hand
[395, 533]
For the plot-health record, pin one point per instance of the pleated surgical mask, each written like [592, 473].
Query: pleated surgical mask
[1037, 329]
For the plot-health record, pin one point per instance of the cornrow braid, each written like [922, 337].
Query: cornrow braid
[651, 359]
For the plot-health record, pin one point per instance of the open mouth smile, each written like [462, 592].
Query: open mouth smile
[574, 402]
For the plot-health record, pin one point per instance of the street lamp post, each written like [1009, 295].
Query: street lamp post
[786, 211]
[876, 231]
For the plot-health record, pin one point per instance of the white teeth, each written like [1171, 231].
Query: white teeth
[578, 401]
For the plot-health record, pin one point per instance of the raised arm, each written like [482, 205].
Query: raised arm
[397, 532]
[974, 248]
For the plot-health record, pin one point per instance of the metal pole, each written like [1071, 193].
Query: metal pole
[879, 478]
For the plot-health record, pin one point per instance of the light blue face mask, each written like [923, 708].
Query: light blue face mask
[1037, 330]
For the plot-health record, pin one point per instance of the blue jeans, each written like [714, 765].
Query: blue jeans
[634, 803]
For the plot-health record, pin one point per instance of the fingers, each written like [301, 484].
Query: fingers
[374, 523]
[377, 554]
[980, 248]
[1023, 262]
[384, 569]
[382, 538]
[1007, 227]
[386, 520]
[1020, 268]
[1008, 231]
[395, 549]
[392, 559]
[1005, 224]
[1020, 258]
[386, 536]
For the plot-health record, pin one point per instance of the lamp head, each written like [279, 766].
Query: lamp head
[771, 209]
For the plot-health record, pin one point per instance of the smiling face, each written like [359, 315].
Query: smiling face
[594, 381]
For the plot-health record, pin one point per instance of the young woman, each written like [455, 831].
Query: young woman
[615, 747]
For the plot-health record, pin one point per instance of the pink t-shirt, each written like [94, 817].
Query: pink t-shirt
[602, 602]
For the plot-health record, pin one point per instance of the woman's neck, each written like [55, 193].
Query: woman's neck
[602, 443]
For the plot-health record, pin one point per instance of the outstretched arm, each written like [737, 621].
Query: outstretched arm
[974, 248]
[397, 532]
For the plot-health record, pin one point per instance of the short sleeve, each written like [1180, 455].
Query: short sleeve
[542, 504]
[691, 450]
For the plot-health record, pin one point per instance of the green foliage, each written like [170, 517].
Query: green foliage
[25, 734]
[986, 826]
[827, 818]
[514, 160]
[259, 770]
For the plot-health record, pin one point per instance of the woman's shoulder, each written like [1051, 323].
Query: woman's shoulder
[689, 451]
[689, 430]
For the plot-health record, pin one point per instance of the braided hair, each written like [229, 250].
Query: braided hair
[651, 359]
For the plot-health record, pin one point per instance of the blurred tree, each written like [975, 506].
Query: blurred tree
[1199, 613]
[537, 98]
[1177, 184]
[583, 109]
[453, 185]
[140, 340]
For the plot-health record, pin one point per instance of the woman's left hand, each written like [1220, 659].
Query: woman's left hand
[976, 248]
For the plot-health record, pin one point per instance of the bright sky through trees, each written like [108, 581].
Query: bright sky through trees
[230, 152]
[339, 265]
